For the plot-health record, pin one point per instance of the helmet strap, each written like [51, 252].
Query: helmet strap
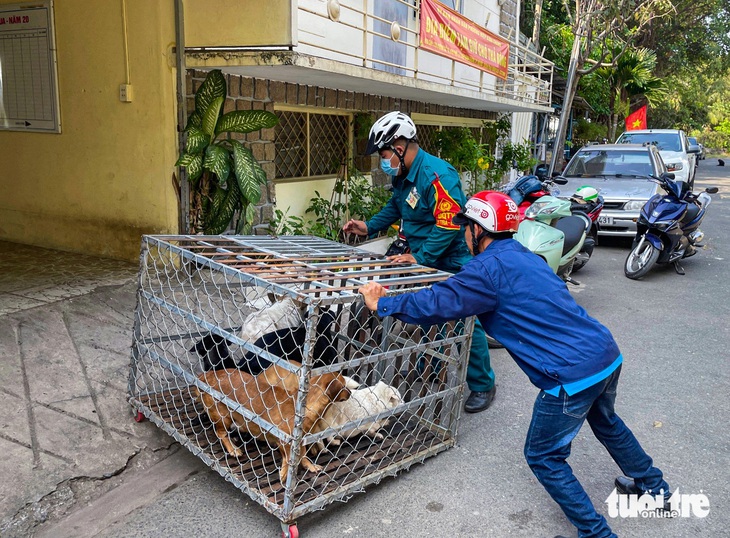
[402, 168]
[476, 239]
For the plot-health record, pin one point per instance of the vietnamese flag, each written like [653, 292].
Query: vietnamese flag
[636, 120]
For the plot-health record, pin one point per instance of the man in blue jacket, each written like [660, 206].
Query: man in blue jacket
[568, 355]
[426, 196]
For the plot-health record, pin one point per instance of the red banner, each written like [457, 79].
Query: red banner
[636, 120]
[448, 33]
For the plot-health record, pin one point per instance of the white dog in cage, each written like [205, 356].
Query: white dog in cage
[362, 403]
[279, 315]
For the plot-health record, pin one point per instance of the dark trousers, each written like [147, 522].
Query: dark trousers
[479, 373]
[556, 421]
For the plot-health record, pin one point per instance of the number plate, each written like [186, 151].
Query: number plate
[605, 221]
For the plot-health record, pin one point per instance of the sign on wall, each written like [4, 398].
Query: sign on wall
[450, 34]
[28, 80]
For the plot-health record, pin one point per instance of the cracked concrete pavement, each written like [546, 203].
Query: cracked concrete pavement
[65, 335]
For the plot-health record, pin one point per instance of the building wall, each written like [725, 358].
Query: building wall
[107, 178]
[246, 93]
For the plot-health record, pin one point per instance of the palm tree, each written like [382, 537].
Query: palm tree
[632, 79]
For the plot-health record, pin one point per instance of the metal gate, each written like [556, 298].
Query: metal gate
[258, 355]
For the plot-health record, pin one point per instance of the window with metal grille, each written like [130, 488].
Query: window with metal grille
[311, 143]
[427, 134]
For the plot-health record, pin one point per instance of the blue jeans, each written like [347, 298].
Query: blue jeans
[556, 421]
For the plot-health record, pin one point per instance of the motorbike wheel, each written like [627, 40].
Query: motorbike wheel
[580, 260]
[640, 260]
[493, 344]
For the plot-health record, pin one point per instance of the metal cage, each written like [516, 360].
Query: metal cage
[258, 355]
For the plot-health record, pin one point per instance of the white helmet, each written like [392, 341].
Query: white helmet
[388, 128]
[584, 194]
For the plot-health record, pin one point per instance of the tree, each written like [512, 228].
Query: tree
[694, 62]
[698, 35]
[692, 50]
[631, 76]
[597, 27]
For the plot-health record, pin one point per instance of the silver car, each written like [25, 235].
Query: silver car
[620, 173]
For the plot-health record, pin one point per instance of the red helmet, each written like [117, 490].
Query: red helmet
[494, 211]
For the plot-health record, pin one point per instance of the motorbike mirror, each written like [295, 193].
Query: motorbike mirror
[711, 190]
[560, 180]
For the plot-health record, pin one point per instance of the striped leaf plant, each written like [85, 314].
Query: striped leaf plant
[225, 178]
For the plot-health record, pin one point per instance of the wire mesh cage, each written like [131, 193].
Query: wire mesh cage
[258, 355]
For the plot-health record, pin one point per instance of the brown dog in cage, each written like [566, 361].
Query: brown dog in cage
[289, 380]
[271, 402]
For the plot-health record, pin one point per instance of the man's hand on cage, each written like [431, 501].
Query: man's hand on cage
[357, 227]
[403, 258]
[372, 292]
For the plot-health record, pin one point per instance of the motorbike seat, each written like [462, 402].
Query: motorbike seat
[573, 229]
[692, 211]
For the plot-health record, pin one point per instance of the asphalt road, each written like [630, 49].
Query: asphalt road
[673, 332]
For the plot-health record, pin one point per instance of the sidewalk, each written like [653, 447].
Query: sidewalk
[65, 335]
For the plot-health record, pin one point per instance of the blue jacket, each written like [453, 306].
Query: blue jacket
[525, 306]
[433, 188]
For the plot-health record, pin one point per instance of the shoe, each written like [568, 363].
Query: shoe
[479, 401]
[627, 486]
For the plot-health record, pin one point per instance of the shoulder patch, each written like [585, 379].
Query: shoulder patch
[445, 207]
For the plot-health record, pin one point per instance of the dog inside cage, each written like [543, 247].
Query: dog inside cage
[276, 374]
[276, 338]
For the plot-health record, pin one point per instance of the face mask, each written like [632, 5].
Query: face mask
[385, 167]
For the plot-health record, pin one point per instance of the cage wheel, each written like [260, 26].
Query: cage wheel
[293, 532]
[139, 416]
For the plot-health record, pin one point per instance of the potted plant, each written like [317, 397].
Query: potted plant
[225, 178]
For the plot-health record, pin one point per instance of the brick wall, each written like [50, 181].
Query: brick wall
[508, 19]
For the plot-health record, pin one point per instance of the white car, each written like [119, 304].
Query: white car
[701, 154]
[678, 154]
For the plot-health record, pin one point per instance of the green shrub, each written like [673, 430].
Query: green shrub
[351, 198]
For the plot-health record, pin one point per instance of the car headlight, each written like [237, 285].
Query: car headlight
[634, 205]
[674, 166]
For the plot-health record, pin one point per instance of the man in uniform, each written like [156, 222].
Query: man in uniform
[426, 196]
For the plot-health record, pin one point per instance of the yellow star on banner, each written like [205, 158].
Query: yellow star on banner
[637, 123]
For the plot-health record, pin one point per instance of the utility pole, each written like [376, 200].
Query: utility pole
[567, 99]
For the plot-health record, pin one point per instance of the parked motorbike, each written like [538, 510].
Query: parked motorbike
[590, 209]
[552, 232]
[528, 189]
[668, 229]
